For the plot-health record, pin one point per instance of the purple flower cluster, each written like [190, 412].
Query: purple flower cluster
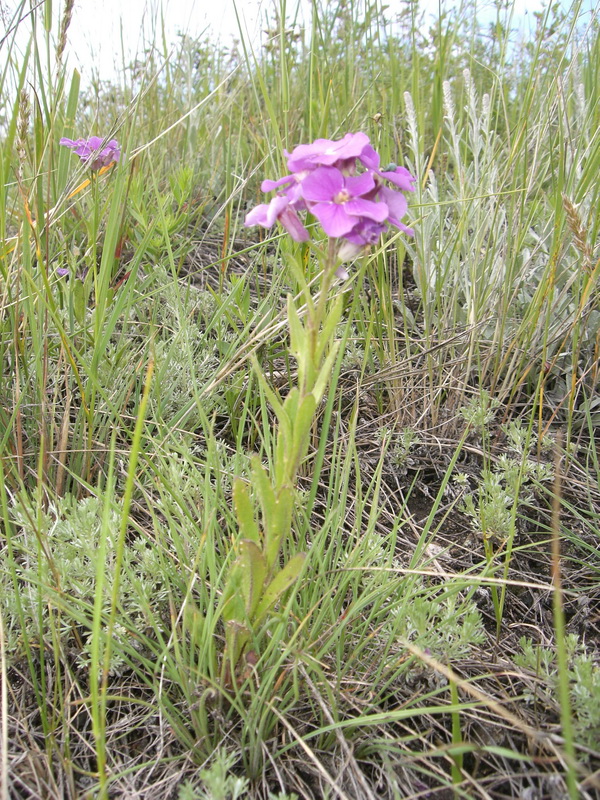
[324, 180]
[91, 152]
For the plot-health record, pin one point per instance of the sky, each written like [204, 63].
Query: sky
[99, 27]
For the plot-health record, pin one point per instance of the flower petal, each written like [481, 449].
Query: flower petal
[369, 158]
[401, 178]
[266, 214]
[360, 184]
[268, 185]
[333, 218]
[291, 222]
[342, 272]
[367, 208]
[365, 233]
[326, 152]
[322, 184]
[258, 216]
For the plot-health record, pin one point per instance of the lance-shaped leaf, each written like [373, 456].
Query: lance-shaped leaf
[246, 583]
[264, 490]
[284, 452]
[303, 420]
[253, 573]
[243, 593]
[282, 460]
[234, 606]
[244, 511]
[236, 637]
[276, 511]
[79, 304]
[299, 347]
[297, 331]
[278, 525]
[280, 583]
[324, 376]
[276, 404]
[291, 403]
[327, 333]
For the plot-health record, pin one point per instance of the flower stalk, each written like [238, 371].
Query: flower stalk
[353, 209]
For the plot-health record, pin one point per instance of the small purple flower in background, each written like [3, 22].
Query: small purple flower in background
[354, 207]
[91, 152]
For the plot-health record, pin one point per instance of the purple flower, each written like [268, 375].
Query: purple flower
[325, 180]
[278, 209]
[400, 177]
[91, 152]
[363, 235]
[326, 152]
[293, 192]
[397, 205]
[338, 202]
[366, 233]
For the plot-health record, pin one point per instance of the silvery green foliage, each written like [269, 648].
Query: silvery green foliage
[406, 441]
[187, 352]
[459, 248]
[181, 362]
[233, 464]
[401, 446]
[354, 352]
[584, 678]
[511, 478]
[480, 410]
[181, 480]
[216, 781]
[283, 796]
[447, 628]
[54, 562]
[188, 791]
[475, 259]
[490, 508]
[173, 305]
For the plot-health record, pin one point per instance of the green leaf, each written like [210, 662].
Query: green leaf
[297, 332]
[296, 266]
[236, 636]
[245, 584]
[79, 301]
[276, 404]
[284, 453]
[302, 424]
[233, 603]
[280, 583]
[324, 376]
[299, 346]
[262, 485]
[281, 461]
[278, 524]
[291, 403]
[253, 574]
[327, 333]
[244, 511]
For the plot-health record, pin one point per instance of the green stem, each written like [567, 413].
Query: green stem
[256, 580]
[316, 315]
